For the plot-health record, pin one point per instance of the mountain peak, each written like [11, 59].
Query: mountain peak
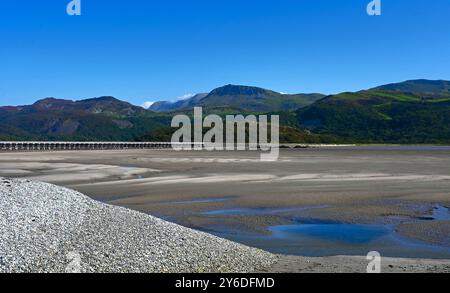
[50, 100]
[51, 103]
[419, 86]
[238, 90]
[103, 99]
[248, 98]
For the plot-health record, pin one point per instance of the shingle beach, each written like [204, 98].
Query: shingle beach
[46, 228]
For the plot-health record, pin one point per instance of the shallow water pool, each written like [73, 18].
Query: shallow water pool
[312, 237]
[344, 233]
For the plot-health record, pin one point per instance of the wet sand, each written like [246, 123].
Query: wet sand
[354, 185]
[355, 264]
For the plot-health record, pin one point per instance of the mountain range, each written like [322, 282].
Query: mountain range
[415, 111]
[411, 112]
[103, 118]
[241, 97]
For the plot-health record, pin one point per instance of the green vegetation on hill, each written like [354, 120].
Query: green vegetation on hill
[379, 117]
[422, 87]
[100, 119]
[245, 98]
[413, 112]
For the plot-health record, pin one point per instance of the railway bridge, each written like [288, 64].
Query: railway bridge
[60, 146]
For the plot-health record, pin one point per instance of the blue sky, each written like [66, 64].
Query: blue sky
[159, 50]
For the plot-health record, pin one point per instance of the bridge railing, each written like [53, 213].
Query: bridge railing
[75, 145]
[62, 146]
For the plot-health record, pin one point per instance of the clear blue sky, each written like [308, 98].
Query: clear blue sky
[156, 50]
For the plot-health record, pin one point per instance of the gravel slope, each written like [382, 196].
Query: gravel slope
[46, 228]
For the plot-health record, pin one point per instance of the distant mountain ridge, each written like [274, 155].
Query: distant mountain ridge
[106, 105]
[241, 97]
[415, 111]
[103, 118]
[420, 86]
[165, 106]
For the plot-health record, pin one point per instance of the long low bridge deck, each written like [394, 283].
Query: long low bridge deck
[71, 145]
[61, 145]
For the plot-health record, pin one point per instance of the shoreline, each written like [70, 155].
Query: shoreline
[94, 252]
[356, 264]
[198, 189]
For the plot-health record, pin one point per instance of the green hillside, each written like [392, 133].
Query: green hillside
[245, 98]
[412, 112]
[380, 117]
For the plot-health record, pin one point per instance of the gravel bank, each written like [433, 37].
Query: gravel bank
[46, 228]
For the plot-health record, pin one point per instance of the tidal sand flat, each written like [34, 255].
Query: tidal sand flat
[384, 194]
[46, 228]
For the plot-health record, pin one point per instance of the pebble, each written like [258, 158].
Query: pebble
[46, 228]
